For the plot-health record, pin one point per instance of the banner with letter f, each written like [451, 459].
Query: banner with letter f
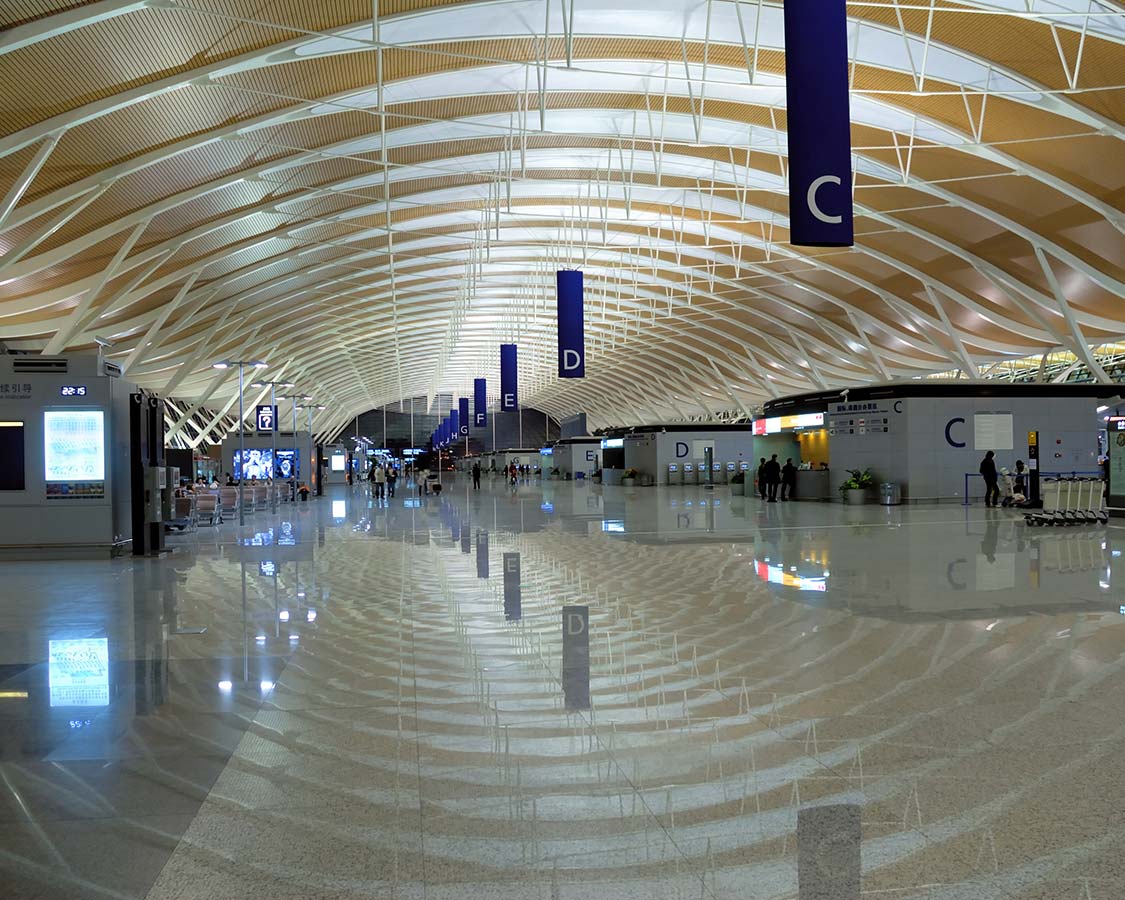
[480, 402]
[572, 341]
[819, 123]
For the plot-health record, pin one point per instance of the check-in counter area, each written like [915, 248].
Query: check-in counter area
[814, 484]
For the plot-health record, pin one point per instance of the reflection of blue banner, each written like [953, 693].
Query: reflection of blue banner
[819, 126]
[463, 416]
[482, 554]
[509, 394]
[513, 600]
[572, 342]
[480, 403]
[576, 657]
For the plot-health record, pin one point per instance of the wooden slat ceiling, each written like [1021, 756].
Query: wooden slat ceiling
[205, 179]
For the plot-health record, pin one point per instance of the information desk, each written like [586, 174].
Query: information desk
[813, 484]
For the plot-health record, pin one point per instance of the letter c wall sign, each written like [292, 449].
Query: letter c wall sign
[948, 428]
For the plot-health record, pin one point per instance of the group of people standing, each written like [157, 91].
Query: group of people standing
[771, 474]
[384, 478]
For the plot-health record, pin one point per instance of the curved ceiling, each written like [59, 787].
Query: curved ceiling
[372, 204]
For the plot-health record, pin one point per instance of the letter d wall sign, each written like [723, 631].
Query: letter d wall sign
[572, 341]
[819, 123]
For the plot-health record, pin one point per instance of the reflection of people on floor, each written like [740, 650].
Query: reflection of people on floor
[991, 537]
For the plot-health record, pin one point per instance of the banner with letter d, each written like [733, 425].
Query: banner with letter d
[572, 341]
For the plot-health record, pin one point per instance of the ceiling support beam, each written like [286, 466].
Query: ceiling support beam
[20, 185]
[1082, 347]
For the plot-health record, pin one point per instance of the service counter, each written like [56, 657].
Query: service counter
[814, 484]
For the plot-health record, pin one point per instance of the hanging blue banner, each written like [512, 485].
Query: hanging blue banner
[572, 342]
[819, 123]
[463, 416]
[509, 395]
[454, 425]
[480, 402]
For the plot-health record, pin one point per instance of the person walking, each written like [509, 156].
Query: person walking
[762, 477]
[476, 476]
[988, 473]
[423, 478]
[772, 471]
[378, 480]
[789, 480]
[392, 478]
[513, 473]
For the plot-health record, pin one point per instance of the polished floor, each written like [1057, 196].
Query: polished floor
[361, 699]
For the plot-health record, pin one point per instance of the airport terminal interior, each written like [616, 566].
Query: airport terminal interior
[562, 449]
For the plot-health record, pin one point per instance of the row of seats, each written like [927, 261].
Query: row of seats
[212, 505]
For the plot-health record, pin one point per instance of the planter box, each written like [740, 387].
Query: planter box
[628, 482]
[738, 489]
[860, 497]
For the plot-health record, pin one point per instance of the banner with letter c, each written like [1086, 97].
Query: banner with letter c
[480, 402]
[572, 340]
[818, 123]
[509, 394]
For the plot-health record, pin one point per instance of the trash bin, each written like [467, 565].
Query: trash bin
[890, 494]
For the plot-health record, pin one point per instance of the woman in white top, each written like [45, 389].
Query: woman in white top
[422, 480]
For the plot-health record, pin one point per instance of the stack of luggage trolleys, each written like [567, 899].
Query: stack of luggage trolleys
[1077, 500]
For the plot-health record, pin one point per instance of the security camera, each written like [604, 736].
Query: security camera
[844, 393]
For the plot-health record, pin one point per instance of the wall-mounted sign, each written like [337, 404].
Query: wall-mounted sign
[72, 390]
[777, 424]
[266, 418]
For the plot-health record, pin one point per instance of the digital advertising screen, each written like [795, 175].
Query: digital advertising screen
[257, 464]
[287, 464]
[74, 445]
[78, 672]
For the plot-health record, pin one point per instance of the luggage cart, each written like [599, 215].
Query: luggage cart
[1046, 515]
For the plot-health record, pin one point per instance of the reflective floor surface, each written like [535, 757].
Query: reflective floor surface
[361, 699]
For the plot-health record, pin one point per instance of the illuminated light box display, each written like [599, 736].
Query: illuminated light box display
[259, 463]
[782, 423]
[338, 462]
[74, 454]
[78, 672]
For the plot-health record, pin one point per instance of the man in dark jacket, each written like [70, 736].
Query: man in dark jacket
[762, 477]
[789, 480]
[476, 476]
[988, 473]
[772, 471]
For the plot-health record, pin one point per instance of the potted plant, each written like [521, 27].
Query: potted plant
[554, 474]
[738, 484]
[858, 480]
[597, 476]
[629, 478]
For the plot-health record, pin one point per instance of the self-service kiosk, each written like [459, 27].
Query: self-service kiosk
[689, 474]
[717, 473]
[675, 476]
[729, 473]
